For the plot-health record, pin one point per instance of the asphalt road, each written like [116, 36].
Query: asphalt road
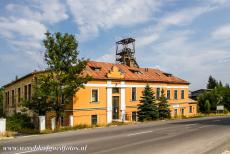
[188, 136]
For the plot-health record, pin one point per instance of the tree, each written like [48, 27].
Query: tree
[64, 70]
[207, 106]
[1, 102]
[163, 106]
[212, 83]
[39, 101]
[147, 110]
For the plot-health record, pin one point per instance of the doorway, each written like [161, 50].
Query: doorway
[115, 107]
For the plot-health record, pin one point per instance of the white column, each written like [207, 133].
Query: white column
[71, 120]
[53, 123]
[42, 123]
[109, 102]
[2, 126]
[123, 105]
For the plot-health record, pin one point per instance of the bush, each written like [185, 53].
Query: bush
[19, 122]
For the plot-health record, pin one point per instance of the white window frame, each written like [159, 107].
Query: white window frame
[98, 98]
[176, 94]
[132, 94]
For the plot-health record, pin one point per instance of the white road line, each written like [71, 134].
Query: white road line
[25, 152]
[190, 125]
[203, 126]
[139, 133]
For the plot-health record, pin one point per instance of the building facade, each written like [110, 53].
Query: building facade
[112, 95]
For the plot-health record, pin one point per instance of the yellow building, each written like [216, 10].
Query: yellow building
[112, 95]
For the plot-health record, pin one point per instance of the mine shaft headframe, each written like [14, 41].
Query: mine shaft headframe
[125, 44]
[125, 52]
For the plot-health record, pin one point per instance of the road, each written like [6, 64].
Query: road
[188, 136]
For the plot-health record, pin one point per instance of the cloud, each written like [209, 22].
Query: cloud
[191, 60]
[222, 32]
[52, 12]
[23, 27]
[91, 18]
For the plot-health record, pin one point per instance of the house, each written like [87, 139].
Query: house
[196, 93]
[112, 95]
[114, 92]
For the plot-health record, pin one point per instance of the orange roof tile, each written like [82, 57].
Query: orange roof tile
[146, 74]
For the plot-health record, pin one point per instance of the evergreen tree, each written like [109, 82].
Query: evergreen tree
[65, 71]
[212, 83]
[220, 84]
[207, 106]
[163, 106]
[147, 110]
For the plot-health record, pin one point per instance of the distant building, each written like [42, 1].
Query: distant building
[196, 93]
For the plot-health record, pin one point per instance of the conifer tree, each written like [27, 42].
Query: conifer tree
[212, 83]
[148, 110]
[207, 106]
[163, 106]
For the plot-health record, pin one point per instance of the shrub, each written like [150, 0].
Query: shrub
[19, 122]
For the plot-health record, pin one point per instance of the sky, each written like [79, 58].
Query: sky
[188, 38]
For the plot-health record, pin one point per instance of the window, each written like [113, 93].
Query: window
[95, 95]
[96, 69]
[29, 92]
[134, 93]
[115, 90]
[7, 98]
[136, 71]
[182, 94]
[94, 119]
[190, 109]
[158, 92]
[168, 74]
[12, 98]
[19, 95]
[62, 121]
[134, 116]
[182, 111]
[175, 94]
[168, 94]
[25, 92]
[175, 112]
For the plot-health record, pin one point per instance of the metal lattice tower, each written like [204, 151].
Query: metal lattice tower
[125, 52]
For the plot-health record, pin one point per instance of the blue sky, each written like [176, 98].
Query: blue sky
[188, 38]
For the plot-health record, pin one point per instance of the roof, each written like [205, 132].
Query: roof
[23, 77]
[144, 75]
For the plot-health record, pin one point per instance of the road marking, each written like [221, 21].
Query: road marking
[139, 133]
[25, 152]
[190, 124]
[203, 126]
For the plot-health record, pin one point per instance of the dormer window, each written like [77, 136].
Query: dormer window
[136, 71]
[96, 69]
[168, 74]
